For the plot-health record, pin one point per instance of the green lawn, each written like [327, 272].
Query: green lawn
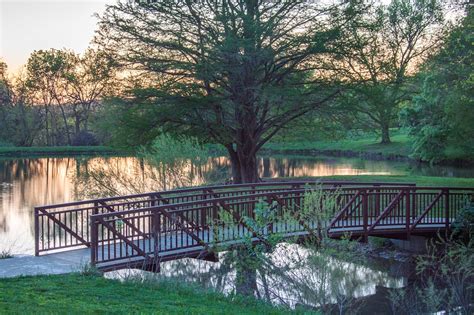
[57, 151]
[77, 293]
[419, 180]
[401, 145]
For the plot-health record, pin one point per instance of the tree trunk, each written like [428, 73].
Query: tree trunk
[66, 126]
[385, 133]
[246, 272]
[77, 125]
[248, 167]
[244, 165]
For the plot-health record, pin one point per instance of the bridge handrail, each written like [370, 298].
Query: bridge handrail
[218, 193]
[265, 194]
[396, 209]
[237, 197]
[56, 219]
[227, 186]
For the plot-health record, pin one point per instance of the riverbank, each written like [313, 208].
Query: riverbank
[367, 147]
[76, 293]
[58, 151]
[418, 180]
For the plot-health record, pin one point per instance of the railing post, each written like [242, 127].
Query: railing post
[156, 226]
[94, 240]
[203, 212]
[270, 208]
[96, 208]
[214, 211]
[407, 212]
[365, 214]
[252, 209]
[377, 201]
[36, 232]
[446, 206]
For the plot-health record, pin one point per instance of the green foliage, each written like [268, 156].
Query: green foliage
[173, 157]
[442, 115]
[76, 293]
[53, 101]
[446, 272]
[463, 225]
[379, 53]
[236, 73]
[171, 151]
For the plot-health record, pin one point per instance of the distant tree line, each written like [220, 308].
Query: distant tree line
[240, 72]
[54, 99]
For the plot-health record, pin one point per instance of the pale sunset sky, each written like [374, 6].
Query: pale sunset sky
[28, 25]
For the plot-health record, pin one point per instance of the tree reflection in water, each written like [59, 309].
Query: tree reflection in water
[291, 275]
[122, 176]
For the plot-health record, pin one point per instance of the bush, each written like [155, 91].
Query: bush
[85, 138]
[463, 225]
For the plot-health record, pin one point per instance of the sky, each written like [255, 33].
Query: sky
[28, 25]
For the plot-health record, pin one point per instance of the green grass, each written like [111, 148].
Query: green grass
[419, 180]
[75, 293]
[57, 151]
[401, 145]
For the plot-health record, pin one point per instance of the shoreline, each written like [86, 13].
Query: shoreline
[61, 151]
[371, 156]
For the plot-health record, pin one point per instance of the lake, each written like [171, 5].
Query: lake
[29, 182]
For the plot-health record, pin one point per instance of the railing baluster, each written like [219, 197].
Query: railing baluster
[37, 231]
[365, 214]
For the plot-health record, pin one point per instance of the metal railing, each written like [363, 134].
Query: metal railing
[175, 230]
[64, 226]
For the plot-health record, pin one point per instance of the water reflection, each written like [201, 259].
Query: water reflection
[291, 275]
[25, 183]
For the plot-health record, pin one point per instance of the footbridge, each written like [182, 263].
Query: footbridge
[140, 231]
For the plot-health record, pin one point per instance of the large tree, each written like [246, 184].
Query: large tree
[90, 78]
[442, 116]
[233, 72]
[379, 54]
[46, 84]
[70, 86]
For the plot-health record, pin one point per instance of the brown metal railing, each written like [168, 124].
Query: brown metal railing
[66, 225]
[175, 230]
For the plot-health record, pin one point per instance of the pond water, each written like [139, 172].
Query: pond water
[295, 276]
[29, 182]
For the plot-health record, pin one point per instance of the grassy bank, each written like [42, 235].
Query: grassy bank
[57, 151]
[76, 293]
[419, 180]
[400, 146]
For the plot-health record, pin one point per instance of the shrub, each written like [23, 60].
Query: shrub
[85, 138]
